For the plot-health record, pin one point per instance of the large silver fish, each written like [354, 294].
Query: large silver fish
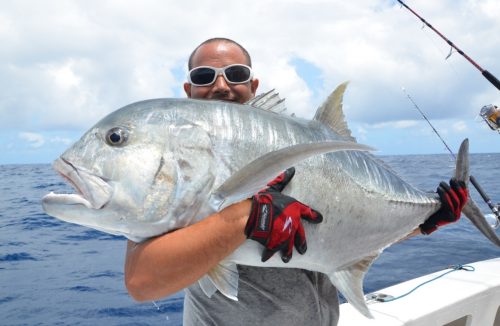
[159, 165]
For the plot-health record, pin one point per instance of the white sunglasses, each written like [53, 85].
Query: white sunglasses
[233, 74]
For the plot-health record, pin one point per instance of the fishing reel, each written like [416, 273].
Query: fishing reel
[491, 115]
[494, 217]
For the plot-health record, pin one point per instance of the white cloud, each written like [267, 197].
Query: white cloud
[35, 140]
[402, 124]
[460, 126]
[61, 140]
[64, 76]
[92, 57]
[361, 133]
[291, 86]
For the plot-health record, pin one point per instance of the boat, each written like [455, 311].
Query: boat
[467, 295]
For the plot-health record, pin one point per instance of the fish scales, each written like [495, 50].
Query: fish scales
[159, 165]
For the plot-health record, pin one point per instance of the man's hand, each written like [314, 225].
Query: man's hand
[453, 200]
[275, 219]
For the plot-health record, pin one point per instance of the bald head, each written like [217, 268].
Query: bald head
[244, 52]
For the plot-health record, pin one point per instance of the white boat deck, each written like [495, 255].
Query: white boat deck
[460, 298]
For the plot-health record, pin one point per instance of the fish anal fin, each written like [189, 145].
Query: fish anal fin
[331, 113]
[207, 286]
[224, 278]
[349, 281]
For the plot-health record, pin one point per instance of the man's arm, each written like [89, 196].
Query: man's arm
[166, 264]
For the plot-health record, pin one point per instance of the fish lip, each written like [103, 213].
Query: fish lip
[63, 172]
[93, 191]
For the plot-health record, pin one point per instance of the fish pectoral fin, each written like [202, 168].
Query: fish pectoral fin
[349, 282]
[256, 174]
[224, 277]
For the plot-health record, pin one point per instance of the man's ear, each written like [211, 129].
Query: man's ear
[187, 89]
[254, 84]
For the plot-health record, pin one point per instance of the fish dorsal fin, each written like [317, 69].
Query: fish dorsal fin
[331, 114]
[269, 101]
[349, 281]
[256, 174]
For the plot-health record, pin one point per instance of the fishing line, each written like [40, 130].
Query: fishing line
[486, 74]
[486, 198]
[430, 124]
[492, 79]
[380, 297]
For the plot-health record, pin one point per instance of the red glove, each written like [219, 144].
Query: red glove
[453, 201]
[275, 219]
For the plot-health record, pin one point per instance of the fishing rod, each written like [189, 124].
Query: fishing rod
[486, 74]
[487, 200]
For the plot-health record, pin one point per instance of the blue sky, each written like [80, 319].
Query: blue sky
[66, 64]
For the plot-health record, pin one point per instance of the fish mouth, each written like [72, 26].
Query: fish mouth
[92, 191]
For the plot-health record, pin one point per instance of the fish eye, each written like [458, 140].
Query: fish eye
[116, 136]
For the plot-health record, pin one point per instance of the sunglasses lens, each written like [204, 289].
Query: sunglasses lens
[202, 76]
[237, 74]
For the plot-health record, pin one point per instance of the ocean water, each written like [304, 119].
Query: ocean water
[55, 273]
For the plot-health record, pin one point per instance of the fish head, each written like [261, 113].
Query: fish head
[139, 172]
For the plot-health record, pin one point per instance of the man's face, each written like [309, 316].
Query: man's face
[221, 54]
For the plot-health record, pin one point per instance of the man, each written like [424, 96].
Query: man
[267, 296]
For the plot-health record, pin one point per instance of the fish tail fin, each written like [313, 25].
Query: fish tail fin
[471, 210]
[462, 164]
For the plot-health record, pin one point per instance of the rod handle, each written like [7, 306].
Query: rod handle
[487, 199]
[479, 189]
[492, 79]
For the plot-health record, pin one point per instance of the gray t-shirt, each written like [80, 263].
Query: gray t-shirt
[267, 296]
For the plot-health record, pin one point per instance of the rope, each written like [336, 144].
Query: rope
[454, 268]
